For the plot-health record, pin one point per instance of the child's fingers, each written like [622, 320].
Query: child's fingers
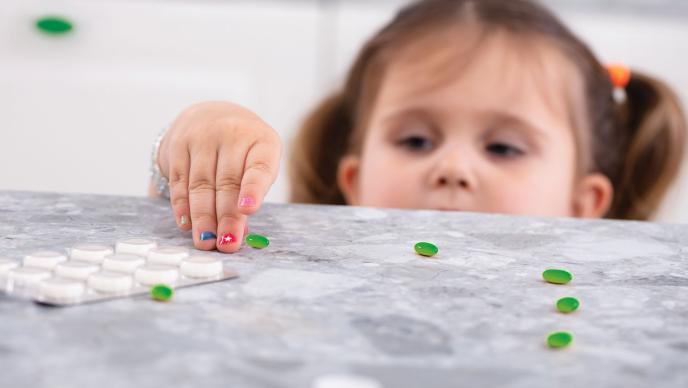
[230, 223]
[202, 198]
[262, 167]
[179, 185]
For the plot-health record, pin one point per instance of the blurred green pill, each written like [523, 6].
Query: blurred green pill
[54, 25]
[560, 339]
[567, 304]
[557, 276]
[426, 249]
[257, 241]
[161, 292]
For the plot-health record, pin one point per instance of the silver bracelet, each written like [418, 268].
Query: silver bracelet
[161, 183]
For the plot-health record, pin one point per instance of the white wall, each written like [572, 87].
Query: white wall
[79, 113]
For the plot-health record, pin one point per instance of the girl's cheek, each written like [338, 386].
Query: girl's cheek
[382, 192]
[525, 201]
[391, 188]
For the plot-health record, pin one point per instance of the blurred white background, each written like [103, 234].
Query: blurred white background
[79, 113]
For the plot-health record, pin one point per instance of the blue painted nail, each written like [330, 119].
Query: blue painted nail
[208, 236]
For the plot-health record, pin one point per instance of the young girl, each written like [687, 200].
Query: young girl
[469, 105]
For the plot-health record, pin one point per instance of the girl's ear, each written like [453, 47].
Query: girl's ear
[593, 196]
[347, 178]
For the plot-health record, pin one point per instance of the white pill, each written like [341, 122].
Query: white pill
[27, 276]
[201, 267]
[136, 246]
[123, 262]
[76, 270]
[110, 282]
[151, 274]
[59, 288]
[90, 252]
[44, 259]
[6, 265]
[168, 255]
[345, 381]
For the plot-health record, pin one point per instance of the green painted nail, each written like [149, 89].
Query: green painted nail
[183, 220]
[426, 249]
[257, 241]
[567, 304]
[557, 276]
[161, 292]
[560, 339]
[54, 25]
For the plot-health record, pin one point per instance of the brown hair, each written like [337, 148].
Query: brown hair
[638, 143]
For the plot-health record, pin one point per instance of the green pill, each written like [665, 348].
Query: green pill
[426, 249]
[54, 25]
[257, 241]
[557, 276]
[560, 339]
[161, 292]
[567, 304]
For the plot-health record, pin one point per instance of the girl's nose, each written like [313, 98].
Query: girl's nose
[452, 171]
[447, 180]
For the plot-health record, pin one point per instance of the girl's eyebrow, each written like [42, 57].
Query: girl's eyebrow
[496, 117]
[499, 117]
[400, 114]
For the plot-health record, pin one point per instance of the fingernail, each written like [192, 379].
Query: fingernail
[226, 238]
[183, 220]
[208, 236]
[247, 202]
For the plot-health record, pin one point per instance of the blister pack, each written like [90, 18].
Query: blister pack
[89, 273]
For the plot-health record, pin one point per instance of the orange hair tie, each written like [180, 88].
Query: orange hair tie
[619, 74]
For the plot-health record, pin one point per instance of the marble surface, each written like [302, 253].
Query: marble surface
[340, 290]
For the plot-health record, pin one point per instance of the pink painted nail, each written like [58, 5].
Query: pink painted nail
[247, 202]
[226, 238]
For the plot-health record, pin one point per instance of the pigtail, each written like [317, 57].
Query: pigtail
[655, 126]
[332, 130]
[321, 142]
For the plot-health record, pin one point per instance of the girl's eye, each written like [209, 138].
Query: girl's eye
[504, 150]
[416, 143]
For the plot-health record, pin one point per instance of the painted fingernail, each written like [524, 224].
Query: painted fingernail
[227, 238]
[183, 220]
[208, 236]
[247, 202]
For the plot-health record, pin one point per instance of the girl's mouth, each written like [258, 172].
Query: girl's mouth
[449, 209]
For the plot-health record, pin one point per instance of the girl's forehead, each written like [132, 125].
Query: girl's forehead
[488, 70]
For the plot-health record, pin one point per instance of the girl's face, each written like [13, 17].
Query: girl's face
[492, 134]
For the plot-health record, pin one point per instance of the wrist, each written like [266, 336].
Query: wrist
[158, 177]
[163, 162]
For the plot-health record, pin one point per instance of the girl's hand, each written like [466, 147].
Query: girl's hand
[221, 160]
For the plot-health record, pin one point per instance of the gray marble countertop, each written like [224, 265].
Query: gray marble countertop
[340, 290]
